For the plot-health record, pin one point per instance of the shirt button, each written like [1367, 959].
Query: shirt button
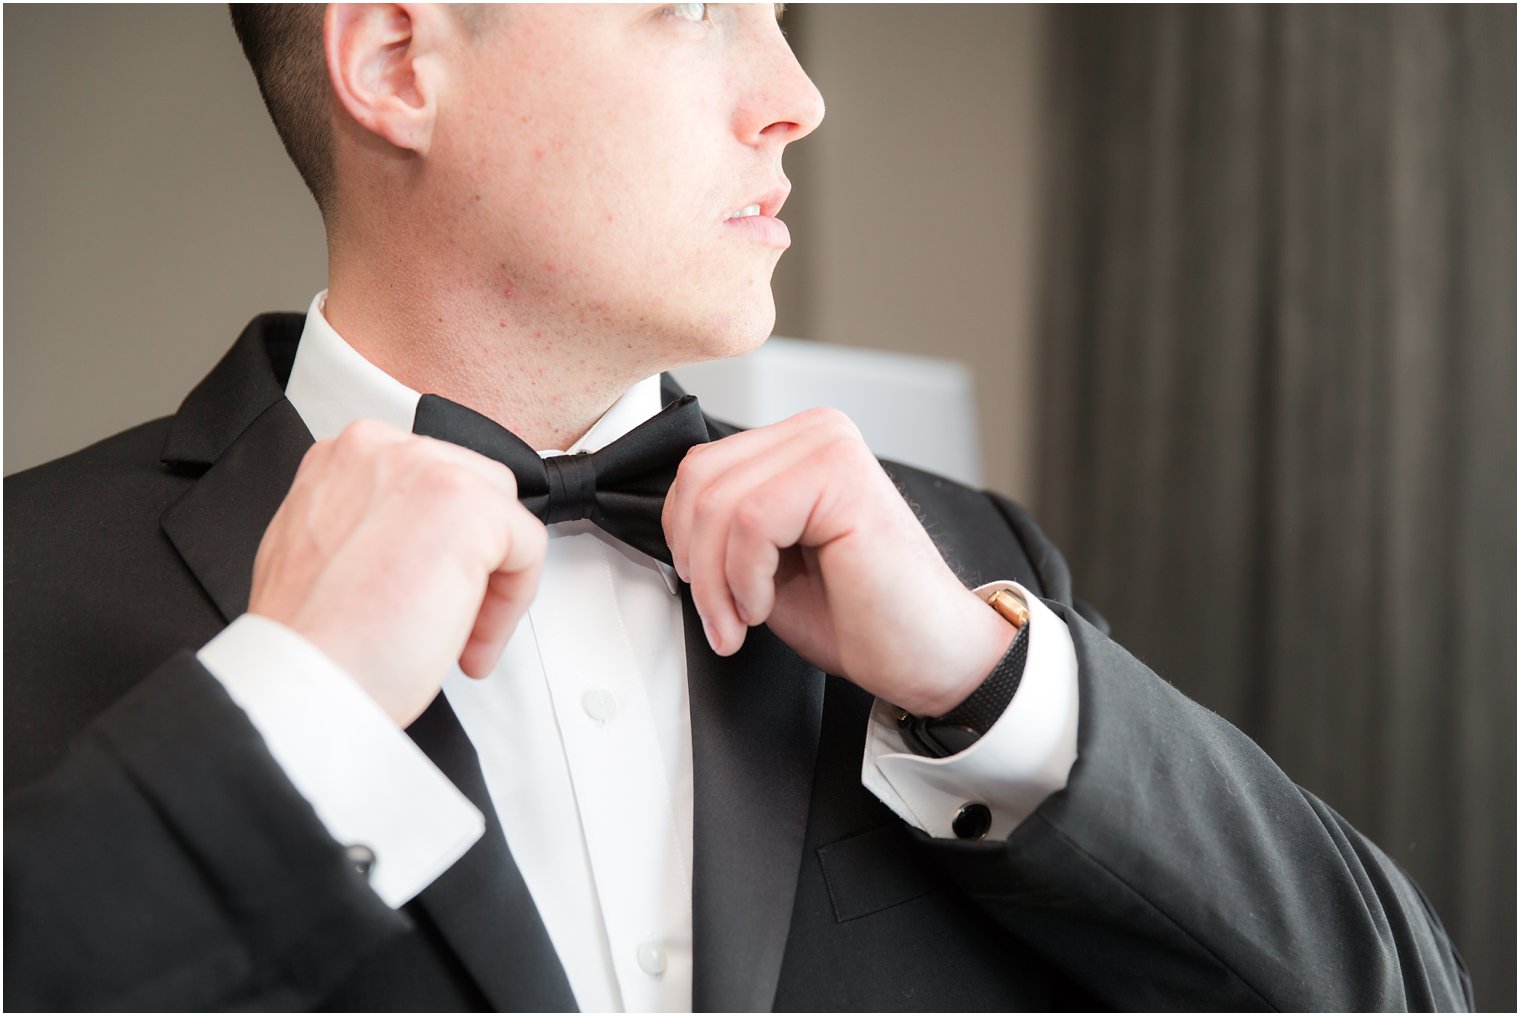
[600, 704]
[651, 958]
[362, 858]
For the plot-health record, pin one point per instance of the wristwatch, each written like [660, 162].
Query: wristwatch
[963, 726]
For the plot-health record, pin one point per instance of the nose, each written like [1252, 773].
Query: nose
[784, 103]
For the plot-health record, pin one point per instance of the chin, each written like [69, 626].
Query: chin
[731, 333]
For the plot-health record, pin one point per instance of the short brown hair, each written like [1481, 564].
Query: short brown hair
[283, 44]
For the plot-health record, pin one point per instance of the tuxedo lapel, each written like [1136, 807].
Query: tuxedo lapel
[755, 719]
[238, 430]
[481, 904]
[217, 525]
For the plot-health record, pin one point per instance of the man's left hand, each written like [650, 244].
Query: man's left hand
[797, 526]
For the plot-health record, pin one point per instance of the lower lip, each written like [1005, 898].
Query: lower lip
[766, 228]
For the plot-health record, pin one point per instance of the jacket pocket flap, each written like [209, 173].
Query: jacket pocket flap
[872, 871]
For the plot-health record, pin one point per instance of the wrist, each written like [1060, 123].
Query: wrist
[352, 656]
[983, 638]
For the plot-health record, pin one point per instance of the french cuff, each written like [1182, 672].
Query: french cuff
[368, 783]
[1021, 760]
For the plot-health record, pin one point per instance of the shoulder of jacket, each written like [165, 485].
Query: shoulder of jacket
[973, 529]
[112, 488]
[130, 457]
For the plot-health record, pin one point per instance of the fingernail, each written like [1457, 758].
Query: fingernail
[707, 629]
[742, 610]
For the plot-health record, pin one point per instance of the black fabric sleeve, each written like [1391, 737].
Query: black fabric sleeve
[1181, 869]
[169, 864]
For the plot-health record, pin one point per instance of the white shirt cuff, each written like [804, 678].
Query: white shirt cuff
[1025, 757]
[366, 780]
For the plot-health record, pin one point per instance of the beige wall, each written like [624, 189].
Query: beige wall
[917, 223]
[150, 211]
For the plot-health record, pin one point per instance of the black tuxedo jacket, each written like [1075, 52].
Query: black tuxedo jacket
[157, 857]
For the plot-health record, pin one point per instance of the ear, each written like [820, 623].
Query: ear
[380, 62]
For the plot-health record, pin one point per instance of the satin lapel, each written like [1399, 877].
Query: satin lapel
[754, 735]
[481, 905]
[217, 525]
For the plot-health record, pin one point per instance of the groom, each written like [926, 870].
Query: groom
[637, 789]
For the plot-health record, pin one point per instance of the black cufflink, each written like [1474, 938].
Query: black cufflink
[362, 858]
[972, 821]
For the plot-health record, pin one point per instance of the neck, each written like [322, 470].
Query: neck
[540, 382]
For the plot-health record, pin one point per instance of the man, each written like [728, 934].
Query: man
[649, 796]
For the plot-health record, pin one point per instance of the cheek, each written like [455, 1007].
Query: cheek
[614, 203]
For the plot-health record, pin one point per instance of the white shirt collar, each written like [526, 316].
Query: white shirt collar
[331, 386]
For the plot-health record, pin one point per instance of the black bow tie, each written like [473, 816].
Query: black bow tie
[620, 488]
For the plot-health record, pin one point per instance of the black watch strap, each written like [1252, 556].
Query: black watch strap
[963, 726]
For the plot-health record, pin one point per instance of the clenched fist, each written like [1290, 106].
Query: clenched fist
[397, 555]
[797, 526]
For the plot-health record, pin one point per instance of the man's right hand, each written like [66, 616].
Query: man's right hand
[397, 555]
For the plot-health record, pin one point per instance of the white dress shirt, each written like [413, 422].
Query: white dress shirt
[583, 731]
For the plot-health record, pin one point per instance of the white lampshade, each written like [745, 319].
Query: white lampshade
[913, 409]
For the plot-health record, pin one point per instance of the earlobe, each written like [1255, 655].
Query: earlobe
[374, 61]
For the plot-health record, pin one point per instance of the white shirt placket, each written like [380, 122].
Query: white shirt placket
[621, 782]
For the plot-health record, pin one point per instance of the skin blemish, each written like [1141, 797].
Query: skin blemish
[508, 291]
[611, 217]
[538, 153]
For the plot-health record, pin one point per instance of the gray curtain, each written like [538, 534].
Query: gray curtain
[1279, 389]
